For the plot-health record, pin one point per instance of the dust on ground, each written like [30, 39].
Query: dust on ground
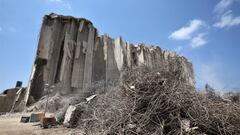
[10, 125]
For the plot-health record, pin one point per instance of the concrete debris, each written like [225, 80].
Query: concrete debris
[72, 115]
[185, 125]
[132, 87]
[55, 103]
[69, 115]
[90, 98]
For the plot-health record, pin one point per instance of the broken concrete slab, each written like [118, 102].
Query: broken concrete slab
[90, 98]
[72, 115]
[69, 115]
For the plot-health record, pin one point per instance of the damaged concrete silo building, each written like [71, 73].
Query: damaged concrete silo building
[71, 56]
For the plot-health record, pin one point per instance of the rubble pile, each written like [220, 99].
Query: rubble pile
[158, 102]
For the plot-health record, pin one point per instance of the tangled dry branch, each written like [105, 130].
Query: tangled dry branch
[159, 102]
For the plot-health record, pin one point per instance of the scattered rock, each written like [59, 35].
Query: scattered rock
[72, 115]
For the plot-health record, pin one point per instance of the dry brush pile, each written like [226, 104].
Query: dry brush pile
[158, 102]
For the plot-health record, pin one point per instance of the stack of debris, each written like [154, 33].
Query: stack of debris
[45, 120]
[72, 115]
[74, 112]
[159, 102]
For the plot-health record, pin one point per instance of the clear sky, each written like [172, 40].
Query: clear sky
[207, 32]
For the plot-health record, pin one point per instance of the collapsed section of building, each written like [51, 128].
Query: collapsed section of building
[11, 100]
[71, 56]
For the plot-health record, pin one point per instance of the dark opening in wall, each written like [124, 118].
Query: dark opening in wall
[134, 58]
[60, 59]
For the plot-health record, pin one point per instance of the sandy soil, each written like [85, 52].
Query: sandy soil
[10, 125]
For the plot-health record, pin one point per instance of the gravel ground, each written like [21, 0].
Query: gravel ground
[10, 125]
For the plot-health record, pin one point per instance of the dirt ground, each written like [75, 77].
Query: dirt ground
[10, 125]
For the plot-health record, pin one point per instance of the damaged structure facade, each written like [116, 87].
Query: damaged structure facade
[11, 100]
[71, 56]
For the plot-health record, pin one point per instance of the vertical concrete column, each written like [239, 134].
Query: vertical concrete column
[67, 64]
[141, 59]
[89, 57]
[157, 57]
[129, 61]
[57, 40]
[148, 53]
[80, 55]
[112, 71]
[118, 53]
[99, 64]
[105, 50]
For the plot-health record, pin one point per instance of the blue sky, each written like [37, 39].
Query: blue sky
[207, 32]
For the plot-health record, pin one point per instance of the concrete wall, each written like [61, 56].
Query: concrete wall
[71, 55]
[12, 100]
[7, 99]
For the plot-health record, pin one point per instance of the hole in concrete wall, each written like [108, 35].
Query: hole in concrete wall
[60, 59]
